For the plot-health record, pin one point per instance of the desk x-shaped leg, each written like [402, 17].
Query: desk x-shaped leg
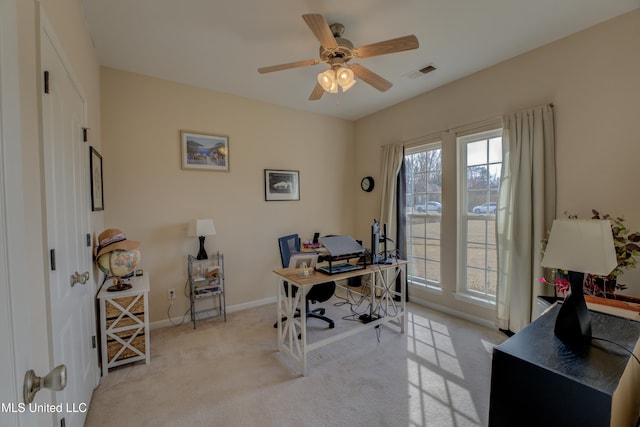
[292, 332]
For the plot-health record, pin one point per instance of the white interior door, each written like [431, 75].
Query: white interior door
[19, 340]
[65, 162]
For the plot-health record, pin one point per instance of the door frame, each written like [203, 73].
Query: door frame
[21, 333]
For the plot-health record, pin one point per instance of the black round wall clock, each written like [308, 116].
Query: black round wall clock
[367, 184]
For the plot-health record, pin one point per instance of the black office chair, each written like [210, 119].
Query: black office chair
[318, 293]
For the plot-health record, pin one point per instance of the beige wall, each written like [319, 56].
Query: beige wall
[152, 199]
[592, 78]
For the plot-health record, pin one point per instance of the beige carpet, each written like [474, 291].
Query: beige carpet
[231, 374]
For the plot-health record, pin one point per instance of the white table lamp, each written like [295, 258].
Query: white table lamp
[579, 246]
[201, 228]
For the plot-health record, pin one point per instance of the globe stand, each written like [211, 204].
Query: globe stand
[119, 285]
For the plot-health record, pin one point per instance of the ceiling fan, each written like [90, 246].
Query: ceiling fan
[337, 52]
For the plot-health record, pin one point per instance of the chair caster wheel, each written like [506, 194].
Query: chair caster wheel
[331, 325]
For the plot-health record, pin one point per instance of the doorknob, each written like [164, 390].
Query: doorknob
[55, 380]
[79, 278]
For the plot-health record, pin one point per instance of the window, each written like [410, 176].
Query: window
[423, 167]
[479, 181]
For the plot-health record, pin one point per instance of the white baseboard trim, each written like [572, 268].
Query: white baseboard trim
[252, 304]
[230, 309]
[456, 313]
[272, 300]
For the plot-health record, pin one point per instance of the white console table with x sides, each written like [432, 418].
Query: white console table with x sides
[124, 324]
[380, 294]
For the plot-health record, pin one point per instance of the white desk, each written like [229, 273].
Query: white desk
[124, 324]
[380, 293]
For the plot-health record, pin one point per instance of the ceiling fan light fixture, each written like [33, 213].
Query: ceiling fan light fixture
[345, 78]
[336, 52]
[348, 86]
[327, 80]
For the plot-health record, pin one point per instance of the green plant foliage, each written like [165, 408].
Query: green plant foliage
[626, 243]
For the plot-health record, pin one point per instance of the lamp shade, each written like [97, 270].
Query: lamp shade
[584, 246]
[201, 227]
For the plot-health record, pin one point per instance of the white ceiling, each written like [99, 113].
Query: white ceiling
[220, 45]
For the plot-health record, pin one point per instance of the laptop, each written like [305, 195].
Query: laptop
[339, 247]
[338, 268]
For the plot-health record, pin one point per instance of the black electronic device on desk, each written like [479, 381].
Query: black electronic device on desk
[379, 236]
[341, 249]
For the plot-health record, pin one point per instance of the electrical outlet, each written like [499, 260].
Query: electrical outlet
[172, 294]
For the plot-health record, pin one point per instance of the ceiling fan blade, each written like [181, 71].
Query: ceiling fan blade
[321, 30]
[316, 93]
[296, 64]
[389, 46]
[369, 77]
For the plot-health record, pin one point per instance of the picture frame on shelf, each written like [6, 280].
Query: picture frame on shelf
[203, 151]
[281, 185]
[95, 166]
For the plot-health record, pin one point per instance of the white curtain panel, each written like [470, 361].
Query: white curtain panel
[526, 208]
[391, 163]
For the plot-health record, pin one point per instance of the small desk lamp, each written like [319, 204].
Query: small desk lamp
[201, 228]
[579, 246]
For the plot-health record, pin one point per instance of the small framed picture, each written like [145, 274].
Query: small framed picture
[95, 165]
[296, 260]
[201, 151]
[281, 185]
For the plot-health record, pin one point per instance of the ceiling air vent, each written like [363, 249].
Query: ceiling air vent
[421, 72]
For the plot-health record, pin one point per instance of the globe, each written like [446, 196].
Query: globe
[118, 263]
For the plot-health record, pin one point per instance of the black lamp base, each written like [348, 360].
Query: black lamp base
[202, 254]
[573, 324]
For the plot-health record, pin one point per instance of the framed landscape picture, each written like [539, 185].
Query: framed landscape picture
[201, 151]
[281, 185]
